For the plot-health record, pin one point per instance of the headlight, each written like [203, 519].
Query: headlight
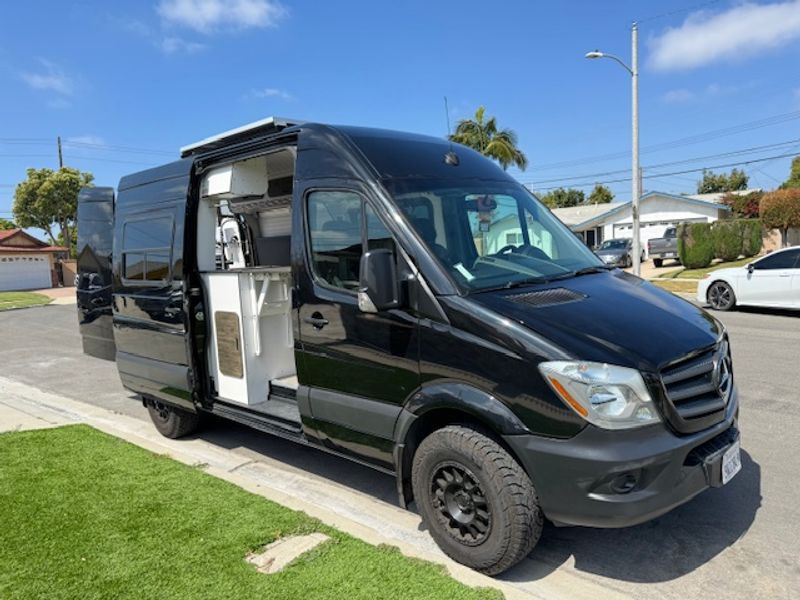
[608, 396]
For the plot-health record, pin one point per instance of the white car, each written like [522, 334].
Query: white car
[771, 281]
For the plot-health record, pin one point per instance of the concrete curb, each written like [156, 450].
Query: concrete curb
[349, 510]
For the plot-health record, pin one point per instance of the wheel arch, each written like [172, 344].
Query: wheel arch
[450, 403]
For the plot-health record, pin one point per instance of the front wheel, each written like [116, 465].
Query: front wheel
[171, 421]
[720, 296]
[475, 499]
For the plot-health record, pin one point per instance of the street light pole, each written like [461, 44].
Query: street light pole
[636, 181]
[636, 184]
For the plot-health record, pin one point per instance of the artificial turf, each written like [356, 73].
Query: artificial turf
[86, 515]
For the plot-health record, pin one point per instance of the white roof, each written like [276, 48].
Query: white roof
[573, 215]
[716, 196]
[268, 123]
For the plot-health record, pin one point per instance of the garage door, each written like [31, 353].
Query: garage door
[24, 272]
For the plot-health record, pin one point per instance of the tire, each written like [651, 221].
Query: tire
[720, 296]
[455, 471]
[657, 262]
[171, 421]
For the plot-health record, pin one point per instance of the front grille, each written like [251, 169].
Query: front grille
[698, 388]
[547, 297]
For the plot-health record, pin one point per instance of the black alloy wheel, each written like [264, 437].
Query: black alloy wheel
[463, 509]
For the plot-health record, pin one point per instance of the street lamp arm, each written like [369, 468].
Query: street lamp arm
[618, 59]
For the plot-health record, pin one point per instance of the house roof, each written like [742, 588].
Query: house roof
[607, 210]
[10, 241]
[573, 215]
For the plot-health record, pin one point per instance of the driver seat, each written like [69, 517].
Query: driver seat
[427, 231]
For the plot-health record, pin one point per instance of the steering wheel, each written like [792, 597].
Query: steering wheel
[524, 249]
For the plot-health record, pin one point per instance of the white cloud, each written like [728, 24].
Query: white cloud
[172, 45]
[744, 30]
[49, 78]
[271, 93]
[94, 140]
[207, 16]
[678, 96]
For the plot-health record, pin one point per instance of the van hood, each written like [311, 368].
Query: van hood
[611, 317]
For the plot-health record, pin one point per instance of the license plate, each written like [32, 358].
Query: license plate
[731, 462]
[670, 255]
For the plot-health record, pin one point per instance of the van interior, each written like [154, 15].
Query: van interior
[243, 255]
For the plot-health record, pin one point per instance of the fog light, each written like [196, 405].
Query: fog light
[624, 483]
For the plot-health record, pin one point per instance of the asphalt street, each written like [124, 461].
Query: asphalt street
[739, 541]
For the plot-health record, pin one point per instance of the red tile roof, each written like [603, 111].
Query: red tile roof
[6, 246]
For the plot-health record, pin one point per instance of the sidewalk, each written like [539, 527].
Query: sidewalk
[60, 295]
[361, 515]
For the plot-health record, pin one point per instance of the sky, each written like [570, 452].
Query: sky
[126, 83]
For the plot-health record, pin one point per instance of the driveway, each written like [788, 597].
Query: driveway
[739, 541]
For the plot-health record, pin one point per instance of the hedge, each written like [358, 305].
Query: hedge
[735, 237]
[695, 245]
[752, 236]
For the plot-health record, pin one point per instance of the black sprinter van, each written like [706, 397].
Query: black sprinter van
[402, 301]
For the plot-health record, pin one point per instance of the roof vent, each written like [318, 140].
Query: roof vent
[547, 297]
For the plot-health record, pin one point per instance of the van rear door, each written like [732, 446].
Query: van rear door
[151, 327]
[93, 284]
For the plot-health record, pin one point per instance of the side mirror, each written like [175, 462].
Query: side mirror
[750, 268]
[378, 287]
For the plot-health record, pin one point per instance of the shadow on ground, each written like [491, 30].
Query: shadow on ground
[660, 550]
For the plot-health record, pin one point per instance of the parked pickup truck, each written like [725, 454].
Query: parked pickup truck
[665, 247]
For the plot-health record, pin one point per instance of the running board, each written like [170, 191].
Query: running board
[259, 421]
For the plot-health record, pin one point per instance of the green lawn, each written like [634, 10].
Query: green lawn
[86, 515]
[10, 300]
[700, 273]
[684, 287]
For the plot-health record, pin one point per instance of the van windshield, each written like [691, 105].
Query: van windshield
[490, 234]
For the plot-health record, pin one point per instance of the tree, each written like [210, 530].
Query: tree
[5, 224]
[781, 210]
[601, 195]
[562, 198]
[713, 182]
[794, 175]
[743, 206]
[482, 134]
[49, 198]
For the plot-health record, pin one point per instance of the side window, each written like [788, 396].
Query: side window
[146, 249]
[781, 260]
[377, 234]
[334, 229]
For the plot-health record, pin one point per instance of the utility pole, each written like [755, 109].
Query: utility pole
[636, 183]
[60, 156]
[636, 174]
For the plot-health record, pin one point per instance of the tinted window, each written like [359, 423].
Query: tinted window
[780, 260]
[377, 234]
[146, 249]
[334, 225]
[148, 233]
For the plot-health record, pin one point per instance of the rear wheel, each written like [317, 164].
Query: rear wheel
[475, 499]
[720, 296]
[171, 421]
[657, 262]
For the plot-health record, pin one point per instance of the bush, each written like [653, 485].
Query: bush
[743, 206]
[752, 236]
[726, 237]
[695, 245]
[781, 210]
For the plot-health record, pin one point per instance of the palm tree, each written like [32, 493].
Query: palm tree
[484, 136]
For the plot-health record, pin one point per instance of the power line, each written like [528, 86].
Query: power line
[686, 141]
[678, 11]
[657, 175]
[793, 143]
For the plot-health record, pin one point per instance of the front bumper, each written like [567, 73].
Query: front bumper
[603, 478]
[614, 261]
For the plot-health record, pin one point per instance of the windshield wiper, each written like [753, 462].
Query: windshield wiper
[584, 271]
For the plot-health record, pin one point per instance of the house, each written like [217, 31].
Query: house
[657, 211]
[27, 263]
